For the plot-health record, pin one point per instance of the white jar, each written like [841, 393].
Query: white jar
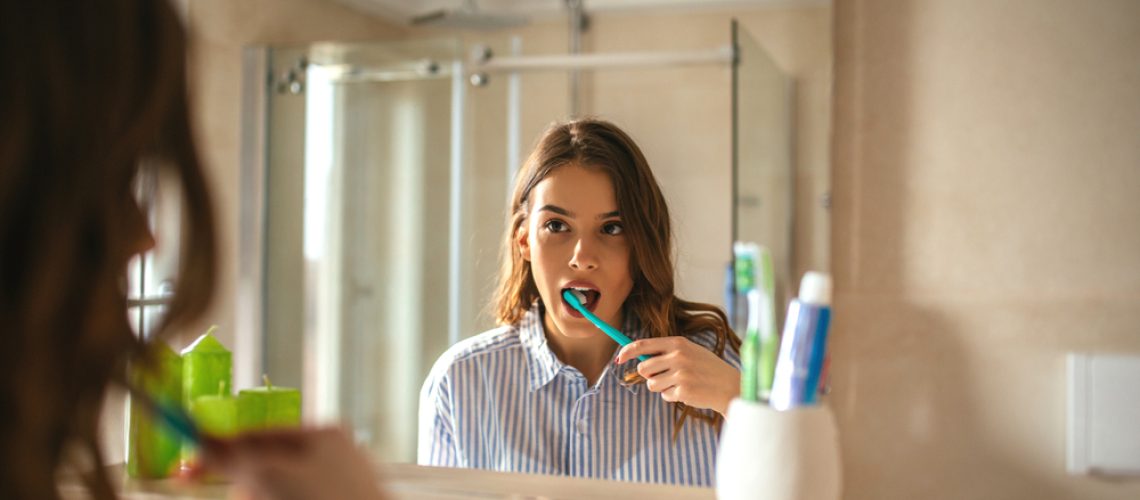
[778, 455]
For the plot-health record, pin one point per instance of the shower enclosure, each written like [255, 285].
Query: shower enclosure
[376, 175]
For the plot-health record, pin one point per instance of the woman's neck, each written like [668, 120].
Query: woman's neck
[589, 355]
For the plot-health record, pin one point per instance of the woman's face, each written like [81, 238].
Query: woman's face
[574, 239]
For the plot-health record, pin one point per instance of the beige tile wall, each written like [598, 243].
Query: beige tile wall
[987, 221]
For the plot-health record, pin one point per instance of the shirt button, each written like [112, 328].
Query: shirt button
[581, 426]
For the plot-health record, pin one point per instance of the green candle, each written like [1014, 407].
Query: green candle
[206, 371]
[205, 364]
[215, 415]
[268, 407]
[152, 447]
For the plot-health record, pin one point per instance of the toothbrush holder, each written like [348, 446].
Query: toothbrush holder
[778, 455]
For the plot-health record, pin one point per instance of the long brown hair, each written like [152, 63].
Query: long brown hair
[92, 93]
[652, 302]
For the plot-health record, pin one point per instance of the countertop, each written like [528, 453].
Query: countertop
[407, 481]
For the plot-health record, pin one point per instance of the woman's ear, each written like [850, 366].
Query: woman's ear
[522, 239]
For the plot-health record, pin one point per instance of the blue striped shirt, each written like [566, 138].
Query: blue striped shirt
[503, 401]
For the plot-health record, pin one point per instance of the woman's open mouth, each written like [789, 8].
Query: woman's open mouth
[588, 296]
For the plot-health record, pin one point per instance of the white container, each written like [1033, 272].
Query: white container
[778, 455]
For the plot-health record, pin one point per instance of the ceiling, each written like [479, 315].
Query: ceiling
[402, 11]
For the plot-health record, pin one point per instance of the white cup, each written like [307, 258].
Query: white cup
[778, 455]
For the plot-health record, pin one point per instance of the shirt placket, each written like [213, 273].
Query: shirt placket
[580, 442]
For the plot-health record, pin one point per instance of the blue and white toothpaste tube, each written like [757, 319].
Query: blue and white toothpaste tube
[804, 344]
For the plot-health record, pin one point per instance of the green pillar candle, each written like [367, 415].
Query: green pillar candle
[206, 371]
[152, 447]
[269, 407]
[205, 364]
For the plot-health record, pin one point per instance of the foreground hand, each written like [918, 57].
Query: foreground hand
[294, 464]
[683, 371]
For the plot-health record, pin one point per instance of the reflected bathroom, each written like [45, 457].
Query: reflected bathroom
[387, 167]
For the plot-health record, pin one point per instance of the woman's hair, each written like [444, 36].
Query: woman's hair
[652, 303]
[93, 94]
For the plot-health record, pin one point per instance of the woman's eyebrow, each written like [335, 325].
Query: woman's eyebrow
[556, 209]
[566, 213]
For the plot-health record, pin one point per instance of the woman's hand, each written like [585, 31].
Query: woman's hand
[685, 372]
[294, 463]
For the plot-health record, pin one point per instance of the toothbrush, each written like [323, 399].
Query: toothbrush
[769, 339]
[170, 414]
[750, 360]
[573, 298]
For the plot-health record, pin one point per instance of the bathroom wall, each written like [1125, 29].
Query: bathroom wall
[986, 222]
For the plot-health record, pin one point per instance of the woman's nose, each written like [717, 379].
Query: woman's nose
[145, 241]
[584, 257]
[138, 230]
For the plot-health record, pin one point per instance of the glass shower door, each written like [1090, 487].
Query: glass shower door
[359, 176]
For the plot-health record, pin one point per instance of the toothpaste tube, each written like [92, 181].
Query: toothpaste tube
[804, 344]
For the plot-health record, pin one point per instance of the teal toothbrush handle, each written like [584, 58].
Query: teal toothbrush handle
[618, 337]
[169, 413]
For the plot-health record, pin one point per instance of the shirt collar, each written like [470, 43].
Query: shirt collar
[542, 362]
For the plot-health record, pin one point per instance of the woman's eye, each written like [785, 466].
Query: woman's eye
[555, 226]
[612, 228]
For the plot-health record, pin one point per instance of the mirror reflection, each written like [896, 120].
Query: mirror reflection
[392, 176]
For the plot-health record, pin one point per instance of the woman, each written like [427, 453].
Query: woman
[93, 94]
[542, 392]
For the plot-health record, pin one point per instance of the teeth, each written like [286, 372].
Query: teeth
[584, 295]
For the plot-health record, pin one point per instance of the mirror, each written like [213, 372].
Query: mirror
[386, 176]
